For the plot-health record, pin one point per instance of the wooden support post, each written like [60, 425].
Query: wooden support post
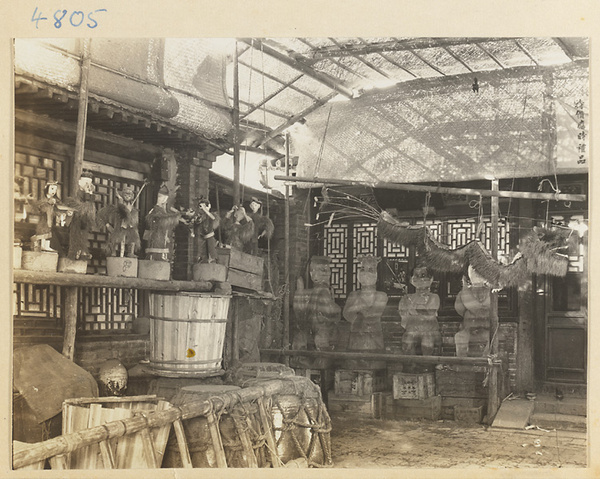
[493, 399]
[81, 115]
[235, 331]
[268, 432]
[242, 431]
[70, 321]
[184, 451]
[236, 128]
[286, 262]
[217, 441]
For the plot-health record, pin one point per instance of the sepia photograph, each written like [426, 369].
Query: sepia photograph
[302, 252]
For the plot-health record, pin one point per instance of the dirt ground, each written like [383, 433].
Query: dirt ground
[367, 443]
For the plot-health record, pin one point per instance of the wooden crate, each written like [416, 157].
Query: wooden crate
[243, 270]
[374, 406]
[450, 403]
[430, 408]
[461, 383]
[359, 382]
[129, 451]
[468, 415]
[413, 386]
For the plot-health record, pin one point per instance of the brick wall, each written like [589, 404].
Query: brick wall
[130, 350]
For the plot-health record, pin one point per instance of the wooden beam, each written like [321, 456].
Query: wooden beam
[436, 189]
[493, 399]
[96, 280]
[286, 260]
[81, 116]
[28, 122]
[300, 64]
[296, 118]
[236, 129]
[389, 357]
[394, 46]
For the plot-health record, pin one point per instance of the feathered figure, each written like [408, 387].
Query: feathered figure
[84, 218]
[264, 227]
[204, 223]
[160, 223]
[122, 223]
[238, 229]
[539, 253]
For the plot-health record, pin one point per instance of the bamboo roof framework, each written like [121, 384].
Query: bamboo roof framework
[415, 109]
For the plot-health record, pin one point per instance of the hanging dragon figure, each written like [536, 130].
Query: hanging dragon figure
[540, 252]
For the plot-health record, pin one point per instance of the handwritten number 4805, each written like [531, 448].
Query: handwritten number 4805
[76, 19]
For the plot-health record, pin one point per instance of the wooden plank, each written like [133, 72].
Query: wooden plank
[149, 451]
[81, 115]
[161, 435]
[108, 457]
[244, 279]
[514, 414]
[58, 463]
[96, 280]
[184, 451]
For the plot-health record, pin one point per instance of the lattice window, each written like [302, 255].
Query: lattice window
[576, 243]
[395, 251]
[35, 300]
[100, 308]
[364, 242]
[108, 308]
[336, 246]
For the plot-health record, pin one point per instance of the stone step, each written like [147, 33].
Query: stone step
[558, 421]
[568, 405]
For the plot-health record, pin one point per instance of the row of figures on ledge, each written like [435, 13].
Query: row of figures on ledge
[64, 227]
[318, 316]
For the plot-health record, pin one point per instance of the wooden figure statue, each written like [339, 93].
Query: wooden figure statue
[205, 222]
[315, 310]
[84, 217]
[418, 313]
[263, 225]
[21, 201]
[122, 222]
[46, 207]
[160, 223]
[473, 303]
[364, 308]
[239, 229]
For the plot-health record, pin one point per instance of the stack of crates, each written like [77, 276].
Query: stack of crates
[415, 396]
[359, 393]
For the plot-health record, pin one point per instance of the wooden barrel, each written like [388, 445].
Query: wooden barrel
[187, 332]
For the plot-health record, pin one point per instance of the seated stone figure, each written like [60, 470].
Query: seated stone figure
[418, 313]
[315, 310]
[364, 308]
[473, 303]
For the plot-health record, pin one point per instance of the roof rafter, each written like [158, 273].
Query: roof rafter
[299, 63]
[394, 46]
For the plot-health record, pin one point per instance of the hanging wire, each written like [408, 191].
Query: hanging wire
[512, 185]
[322, 147]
